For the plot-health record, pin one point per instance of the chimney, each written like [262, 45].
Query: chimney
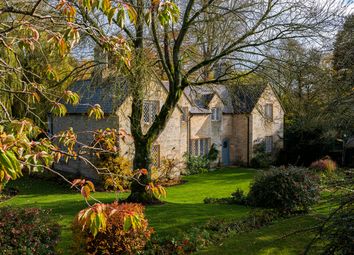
[100, 70]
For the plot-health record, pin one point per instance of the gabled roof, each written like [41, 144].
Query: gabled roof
[108, 95]
[237, 100]
[197, 106]
[244, 98]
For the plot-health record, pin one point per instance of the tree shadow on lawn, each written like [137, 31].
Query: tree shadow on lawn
[278, 239]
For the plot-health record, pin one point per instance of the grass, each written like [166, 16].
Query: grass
[183, 209]
[268, 240]
[282, 237]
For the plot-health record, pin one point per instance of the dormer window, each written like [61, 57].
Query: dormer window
[151, 108]
[216, 114]
[268, 112]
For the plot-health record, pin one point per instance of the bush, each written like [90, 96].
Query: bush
[118, 173]
[213, 153]
[196, 164]
[238, 197]
[223, 200]
[286, 190]
[324, 165]
[169, 169]
[261, 159]
[114, 240]
[29, 231]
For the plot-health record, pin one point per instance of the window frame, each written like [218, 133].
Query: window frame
[157, 162]
[269, 115]
[215, 116]
[150, 118]
[268, 144]
[200, 146]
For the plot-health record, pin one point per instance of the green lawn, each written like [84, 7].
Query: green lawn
[183, 208]
[281, 237]
[269, 240]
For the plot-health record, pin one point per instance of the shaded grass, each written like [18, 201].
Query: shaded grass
[276, 239]
[282, 237]
[183, 209]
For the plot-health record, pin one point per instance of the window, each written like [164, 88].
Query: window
[215, 114]
[268, 144]
[199, 147]
[269, 111]
[155, 155]
[150, 111]
[184, 113]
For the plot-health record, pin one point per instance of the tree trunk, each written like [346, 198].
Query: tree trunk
[142, 160]
[142, 144]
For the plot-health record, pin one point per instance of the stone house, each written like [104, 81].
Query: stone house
[233, 120]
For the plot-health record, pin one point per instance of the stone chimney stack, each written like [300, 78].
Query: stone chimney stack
[100, 70]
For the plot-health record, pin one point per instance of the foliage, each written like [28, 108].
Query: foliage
[156, 190]
[169, 169]
[306, 143]
[19, 149]
[237, 197]
[117, 172]
[325, 165]
[27, 231]
[343, 47]
[125, 231]
[213, 232]
[286, 190]
[336, 231]
[339, 232]
[196, 164]
[213, 153]
[223, 200]
[261, 159]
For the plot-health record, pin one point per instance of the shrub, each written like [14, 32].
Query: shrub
[213, 153]
[223, 200]
[286, 190]
[196, 164]
[115, 239]
[169, 169]
[261, 159]
[325, 165]
[238, 197]
[28, 231]
[117, 173]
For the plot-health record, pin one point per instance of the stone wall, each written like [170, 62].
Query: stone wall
[81, 125]
[173, 139]
[261, 127]
[240, 125]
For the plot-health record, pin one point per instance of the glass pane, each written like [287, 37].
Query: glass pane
[146, 112]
